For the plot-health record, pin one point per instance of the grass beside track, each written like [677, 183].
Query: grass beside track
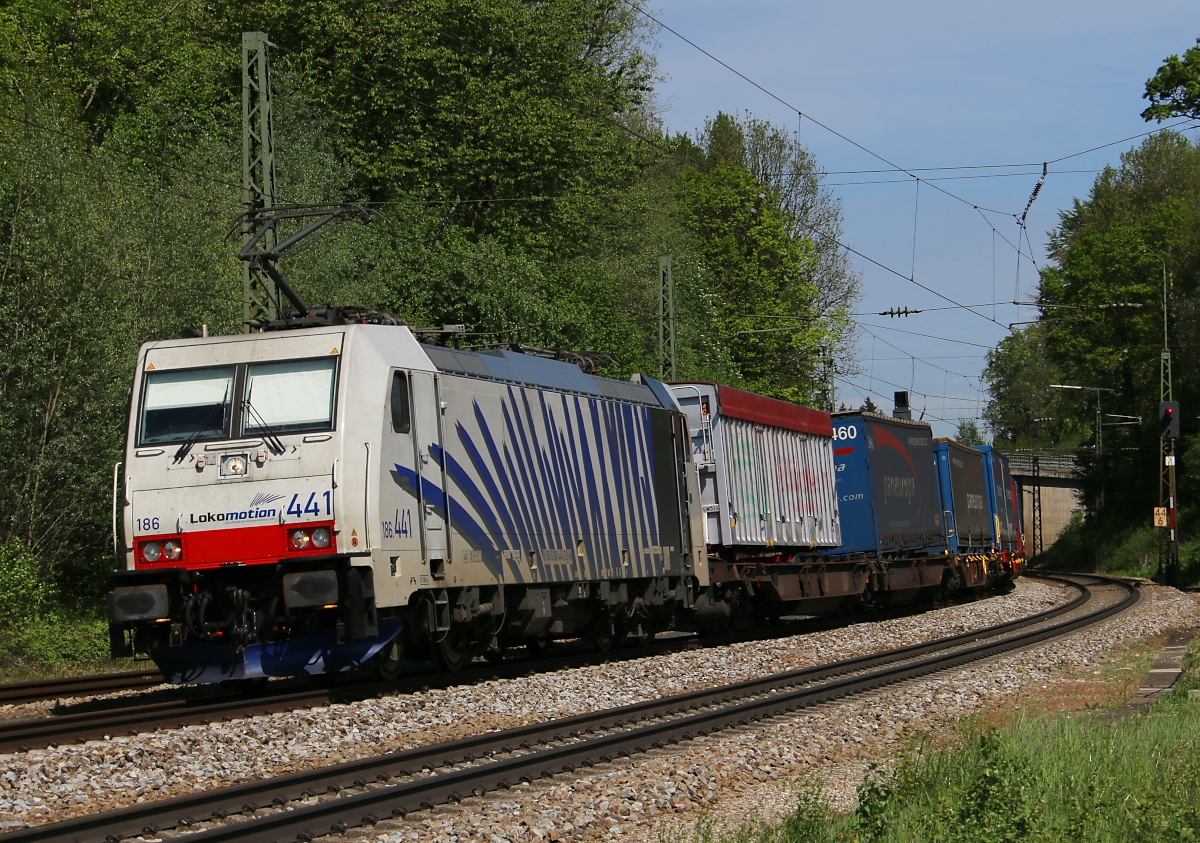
[1082, 778]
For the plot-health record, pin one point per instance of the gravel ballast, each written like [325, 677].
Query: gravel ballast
[729, 778]
[45, 785]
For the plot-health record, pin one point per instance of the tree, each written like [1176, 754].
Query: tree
[968, 432]
[768, 234]
[1174, 91]
[505, 141]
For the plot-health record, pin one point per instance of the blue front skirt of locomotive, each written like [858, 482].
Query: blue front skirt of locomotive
[304, 655]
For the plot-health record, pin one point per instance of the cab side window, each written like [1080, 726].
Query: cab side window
[401, 420]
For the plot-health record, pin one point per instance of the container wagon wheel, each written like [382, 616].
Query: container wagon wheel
[641, 633]
[539, 647]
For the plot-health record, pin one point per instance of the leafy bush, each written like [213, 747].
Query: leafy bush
[24, 593]
[1083, 546]
[35, 631]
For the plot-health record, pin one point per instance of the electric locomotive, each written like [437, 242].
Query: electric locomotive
[309, 501]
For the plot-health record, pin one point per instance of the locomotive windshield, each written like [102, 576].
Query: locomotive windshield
[291, 397]
[180, 405]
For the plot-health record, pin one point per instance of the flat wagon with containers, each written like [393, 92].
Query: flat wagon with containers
[343, 496]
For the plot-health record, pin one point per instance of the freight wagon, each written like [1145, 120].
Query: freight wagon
[962, 485]
[889, 501]
[1003, 505]
[344, 497]
[768, 495]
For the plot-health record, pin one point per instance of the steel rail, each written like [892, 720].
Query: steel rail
[250, 796]
[14, 693]
[124, 718]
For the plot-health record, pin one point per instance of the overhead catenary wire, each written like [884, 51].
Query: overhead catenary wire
[926, 336]
[861, 389]
[800, 115]
[897, 169]
[915, 357]
[898, 273]
[638, 9]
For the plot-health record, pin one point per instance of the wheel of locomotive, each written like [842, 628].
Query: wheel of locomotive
[450, 651]
[389, 662]
[640, 631]
[602, 635]
[539, 647]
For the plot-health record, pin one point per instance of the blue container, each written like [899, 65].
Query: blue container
[887, 488]
[962, 482]
[1002, 500]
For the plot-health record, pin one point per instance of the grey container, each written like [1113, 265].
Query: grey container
[765, 469]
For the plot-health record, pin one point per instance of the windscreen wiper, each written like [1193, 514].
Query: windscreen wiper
[207, 423]
[271, 437]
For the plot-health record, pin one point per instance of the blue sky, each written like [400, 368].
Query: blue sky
[932, 84]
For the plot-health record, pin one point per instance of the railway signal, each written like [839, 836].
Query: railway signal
[1168, 420]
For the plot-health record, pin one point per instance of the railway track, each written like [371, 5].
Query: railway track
[546, 749]
[77, 686]
[129, 716]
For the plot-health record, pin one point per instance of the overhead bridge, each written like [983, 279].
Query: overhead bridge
[1051, 492]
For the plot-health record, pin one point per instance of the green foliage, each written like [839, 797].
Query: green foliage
[968, 433]
[809, 822]
[96, 259]
[982, 796]
[1091, 546]
[24, 593]
[1102, 326]
[1174, 90]
[35, 633]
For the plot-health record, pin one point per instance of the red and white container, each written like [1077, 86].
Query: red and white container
[765, 468]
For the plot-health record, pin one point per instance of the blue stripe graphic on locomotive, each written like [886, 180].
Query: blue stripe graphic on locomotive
[532, 492]
[458, 516]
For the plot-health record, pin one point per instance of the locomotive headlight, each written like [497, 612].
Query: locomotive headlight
[299, 539]
[233, 465]
[320, 537]
[172, 550]
[152, 551]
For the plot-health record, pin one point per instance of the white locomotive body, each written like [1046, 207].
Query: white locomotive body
[307, 501]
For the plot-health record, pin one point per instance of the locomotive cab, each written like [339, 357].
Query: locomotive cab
[239, 534]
